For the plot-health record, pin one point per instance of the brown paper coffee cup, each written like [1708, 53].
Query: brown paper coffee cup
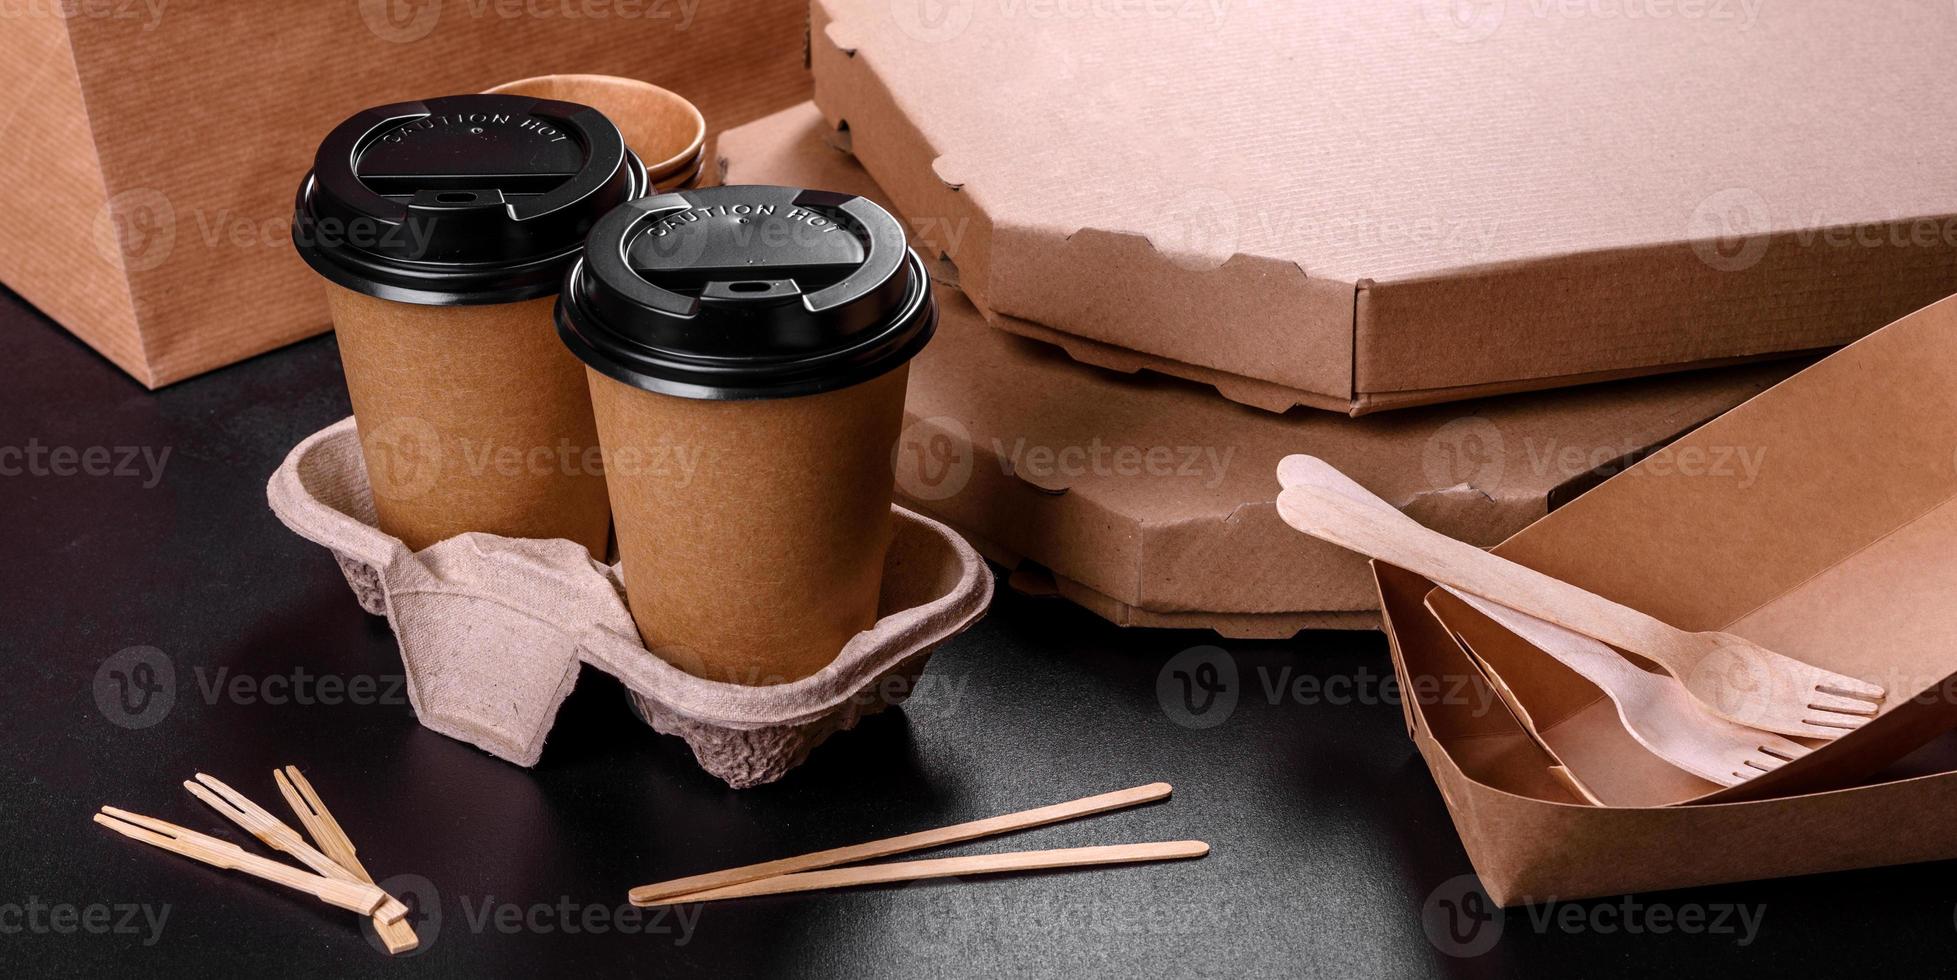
[472, 418]
[758, 526]
[445, 228]
[666, 131]
[748, 350]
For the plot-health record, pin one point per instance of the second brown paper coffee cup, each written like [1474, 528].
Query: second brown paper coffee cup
[665, 130]
[444, 228]
[747, 349]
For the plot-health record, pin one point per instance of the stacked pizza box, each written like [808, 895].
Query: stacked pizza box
[1468, 261]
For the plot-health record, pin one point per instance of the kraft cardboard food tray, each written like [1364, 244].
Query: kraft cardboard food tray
[1841, 550]
[1172, 520]
[1366, 206]
[149, 151]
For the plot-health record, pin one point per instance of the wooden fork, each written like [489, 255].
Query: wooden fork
[1658, 712]
[1656, 709]
[1730, 675]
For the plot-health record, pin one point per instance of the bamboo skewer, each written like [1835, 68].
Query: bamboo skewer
[331, 839]
[663, 892]
[979, 864]
[358, 897]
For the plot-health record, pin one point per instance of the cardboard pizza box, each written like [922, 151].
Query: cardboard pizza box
[1357, 207]
[1151, 502]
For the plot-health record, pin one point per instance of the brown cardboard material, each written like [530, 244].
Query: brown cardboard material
[1531, 840]
[1576, 723]
[666, 131]
[1600, 754]
[1001, 434]
[763, 523]
[1835, 550]
[1357, 207]
[472, 418]
[167, 248]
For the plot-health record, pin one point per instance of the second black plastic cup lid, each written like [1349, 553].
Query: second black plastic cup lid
[747, 292]
[464, 199]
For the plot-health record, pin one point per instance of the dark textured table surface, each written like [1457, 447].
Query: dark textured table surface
[1329, 838]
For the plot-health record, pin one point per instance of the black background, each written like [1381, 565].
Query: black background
[1329, 838]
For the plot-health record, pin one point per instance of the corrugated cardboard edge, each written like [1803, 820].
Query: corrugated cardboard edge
[1277, 398]
[1316, 355]
[1135, 571]
[1118, 582]
[1030, 578]
[47, 122]
[1162, 571]
[1660, 308]
[1121, 580]
[1367, 345]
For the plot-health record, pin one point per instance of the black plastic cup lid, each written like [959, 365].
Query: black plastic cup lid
[747, 292]
[461, 200]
